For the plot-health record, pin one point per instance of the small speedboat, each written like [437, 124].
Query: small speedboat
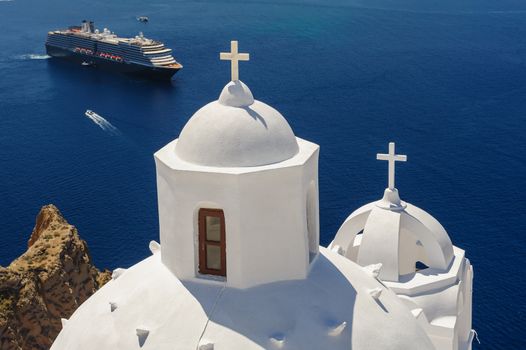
[87, 64]
[143, 19]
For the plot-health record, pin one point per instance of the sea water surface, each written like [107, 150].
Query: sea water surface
[445, 79]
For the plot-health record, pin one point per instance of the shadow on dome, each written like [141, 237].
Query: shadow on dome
[255, 115]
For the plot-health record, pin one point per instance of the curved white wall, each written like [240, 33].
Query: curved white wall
[265, 212]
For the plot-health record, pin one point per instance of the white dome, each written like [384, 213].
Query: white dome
[395, 234]
[148, 308]
[236, 131]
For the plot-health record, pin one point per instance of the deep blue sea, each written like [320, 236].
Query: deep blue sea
[444, 79]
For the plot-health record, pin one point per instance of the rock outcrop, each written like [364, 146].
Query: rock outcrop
[48, 282]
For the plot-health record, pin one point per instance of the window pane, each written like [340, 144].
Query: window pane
[213, 257]
[213, 228]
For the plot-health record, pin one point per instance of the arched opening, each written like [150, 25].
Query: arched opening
[212, 243]
[312, 221]
[420, 266]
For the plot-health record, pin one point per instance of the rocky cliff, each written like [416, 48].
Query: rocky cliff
[48, 282]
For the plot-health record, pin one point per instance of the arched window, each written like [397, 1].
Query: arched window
[212, 244]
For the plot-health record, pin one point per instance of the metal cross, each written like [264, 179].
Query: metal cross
[234, 57]
[391, 158]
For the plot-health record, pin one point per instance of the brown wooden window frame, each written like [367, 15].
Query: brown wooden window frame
[203, 242]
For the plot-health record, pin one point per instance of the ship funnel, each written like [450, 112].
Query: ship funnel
[91, 27]
[85, 26]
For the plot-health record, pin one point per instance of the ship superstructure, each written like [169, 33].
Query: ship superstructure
[138, 55]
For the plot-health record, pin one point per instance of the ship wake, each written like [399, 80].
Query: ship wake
[102, 123]
[32, 56]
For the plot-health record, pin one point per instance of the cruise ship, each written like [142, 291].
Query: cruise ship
[89, 46]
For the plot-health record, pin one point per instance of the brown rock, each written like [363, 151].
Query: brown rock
[48, 282]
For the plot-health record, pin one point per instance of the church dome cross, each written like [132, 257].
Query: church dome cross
[391, 158]
[234, 57]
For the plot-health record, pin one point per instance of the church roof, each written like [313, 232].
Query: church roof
[147, 307]
[236, 131]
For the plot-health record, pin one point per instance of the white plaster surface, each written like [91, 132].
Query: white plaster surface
[233, 132]
[300, 314]
[236, 94]
[396, 235]
[241, 156]
[265, 207]
[281, 290]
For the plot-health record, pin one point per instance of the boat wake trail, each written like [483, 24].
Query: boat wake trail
[102, 123]
[32, 56]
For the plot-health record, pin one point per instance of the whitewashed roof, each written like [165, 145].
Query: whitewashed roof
[338, 306]
[236, 131]
[397, 235]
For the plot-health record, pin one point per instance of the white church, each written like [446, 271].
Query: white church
[239, 265]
